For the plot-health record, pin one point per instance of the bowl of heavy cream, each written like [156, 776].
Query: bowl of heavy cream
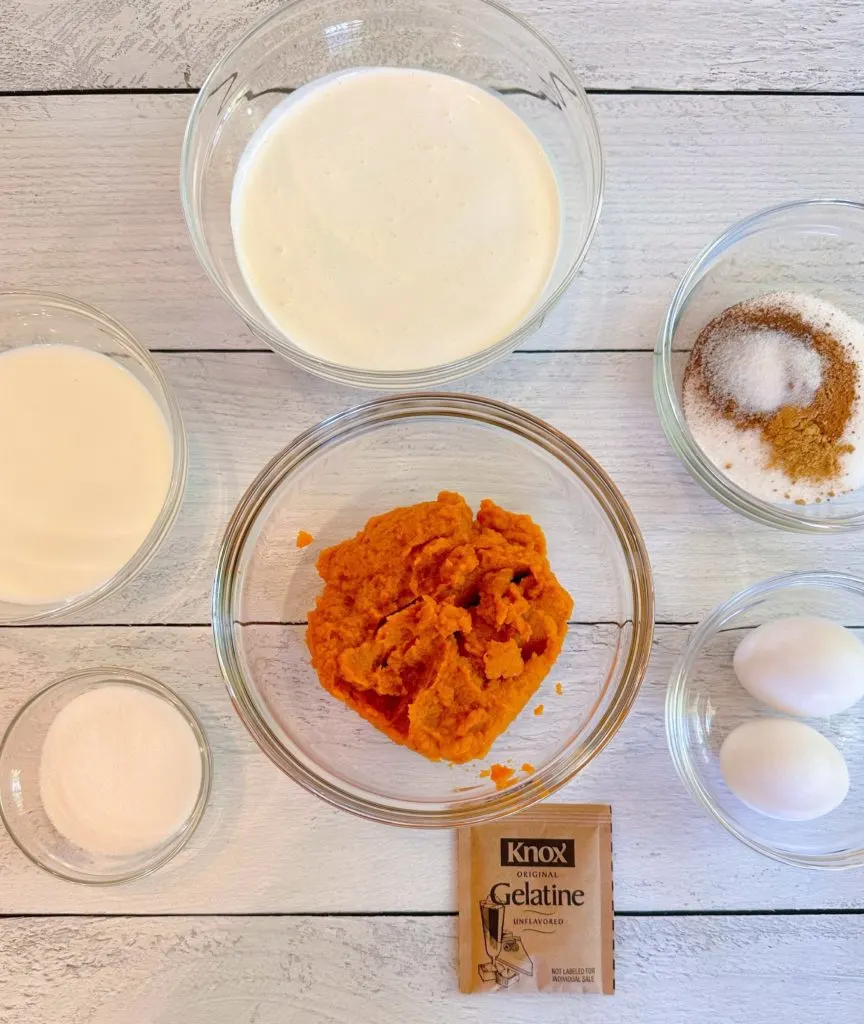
[92, 456]
[392, 197]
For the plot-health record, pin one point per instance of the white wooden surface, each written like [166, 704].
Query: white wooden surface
[613, 44]
[242, 407]
[89, 205]
[302, 970]
[267, 846]
[88, 193]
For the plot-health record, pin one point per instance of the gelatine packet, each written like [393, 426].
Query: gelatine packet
[535, 902]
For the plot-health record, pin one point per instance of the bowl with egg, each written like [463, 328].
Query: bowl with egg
[392, 195]
[92, 456]
[764, 718]
[432, 609]
[759, 368]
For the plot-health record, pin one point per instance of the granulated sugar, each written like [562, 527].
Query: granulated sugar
[759, 371]
[120, 770]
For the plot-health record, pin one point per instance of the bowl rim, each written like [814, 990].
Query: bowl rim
[36, 613]
[113, 676]
[674, 715]
[388, 411]
[669, 408]
[385, 380]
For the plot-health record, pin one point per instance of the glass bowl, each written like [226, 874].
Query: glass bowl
[397, 451]
[35, 318]
[705, 702]
[21, 804]
[476, 40]
[815, 247]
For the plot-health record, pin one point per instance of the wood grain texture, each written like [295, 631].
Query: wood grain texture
[807, 970]
[89, 200]
[617, 44]
[241, 408]
[265, 845]
[89, 203]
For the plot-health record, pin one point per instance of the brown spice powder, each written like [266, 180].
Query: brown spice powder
[805, 442]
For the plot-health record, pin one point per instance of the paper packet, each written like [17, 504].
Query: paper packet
[535, 902]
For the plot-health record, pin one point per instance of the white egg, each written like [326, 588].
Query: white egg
[804, 666]
[784, 769]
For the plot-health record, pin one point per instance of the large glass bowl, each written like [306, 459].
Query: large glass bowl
[476, 40]
[705, 702]
[816, 247]
[393, 452]
[37, 318]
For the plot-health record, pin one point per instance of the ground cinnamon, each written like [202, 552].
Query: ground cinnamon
[804, 441]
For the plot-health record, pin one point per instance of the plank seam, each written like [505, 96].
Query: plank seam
[591, 91]
[254, 622]
[623, 914]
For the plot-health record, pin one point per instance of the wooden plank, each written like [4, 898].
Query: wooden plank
[622, 44]
[266, 846]
[403, 971]
[89, 204]
[241, 408]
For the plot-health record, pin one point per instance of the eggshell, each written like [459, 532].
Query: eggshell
[784, 769]
[804, 666]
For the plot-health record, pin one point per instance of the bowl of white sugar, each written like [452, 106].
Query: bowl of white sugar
[104, 776]
[392, 196]
[759, 370]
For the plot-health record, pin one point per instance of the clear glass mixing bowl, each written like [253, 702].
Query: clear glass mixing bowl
[476, 40]
[816, 247]
[21, 807]
[394, 452]
[705, 702]
[37, 318]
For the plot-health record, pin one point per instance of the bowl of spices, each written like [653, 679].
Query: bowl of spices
[104, 776]
[759, 369]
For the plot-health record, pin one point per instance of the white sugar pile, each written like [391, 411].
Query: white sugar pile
[762, 370]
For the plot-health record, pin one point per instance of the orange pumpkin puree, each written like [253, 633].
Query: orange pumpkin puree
[502, 775]
[437, 627]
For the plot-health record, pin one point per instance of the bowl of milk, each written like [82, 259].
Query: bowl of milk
[392, 197]
[92, 456]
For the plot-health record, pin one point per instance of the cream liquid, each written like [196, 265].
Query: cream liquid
[85, 465]
[120, 771]
[393, 219]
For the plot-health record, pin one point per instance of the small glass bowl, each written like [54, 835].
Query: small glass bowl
[705, 702]
[36, 318]
[816, 247]
[394, 452]
[21, 803]
[476, 40]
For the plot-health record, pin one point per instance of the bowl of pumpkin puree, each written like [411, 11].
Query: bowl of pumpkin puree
[432, 609]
